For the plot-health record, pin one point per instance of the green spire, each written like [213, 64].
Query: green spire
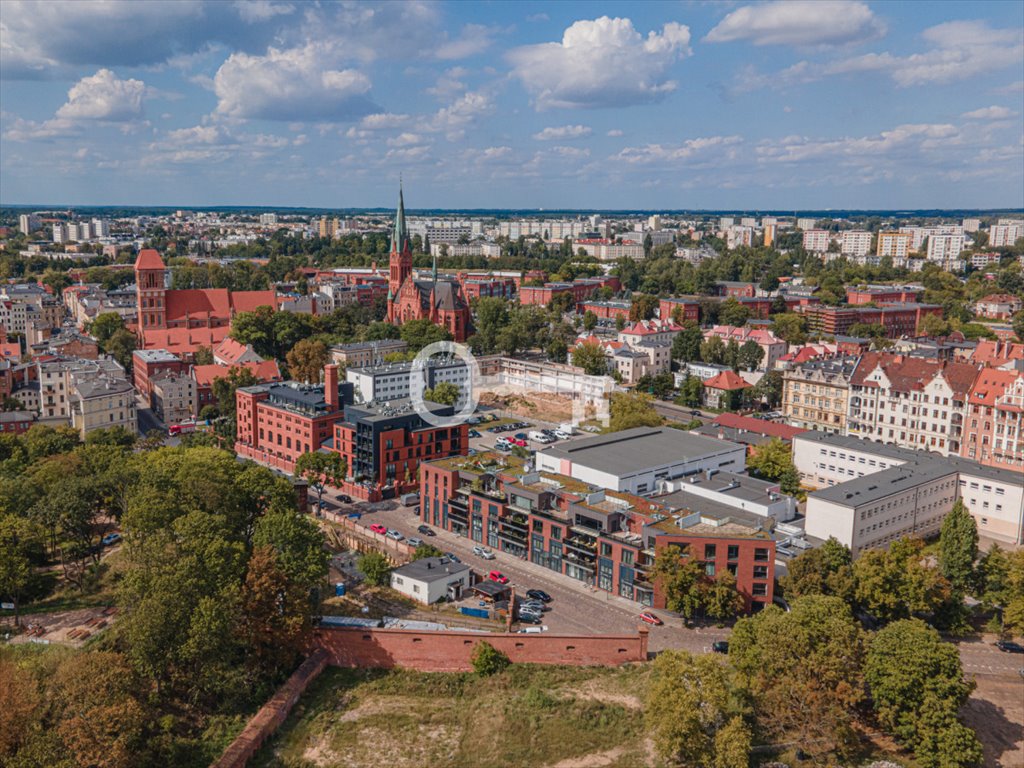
[401, 235]
[433, 271]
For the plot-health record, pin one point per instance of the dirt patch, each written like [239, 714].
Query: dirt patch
[593, 760]
[543, 406]
[320, 752]
[68, 627]
[996, 713]
[592, 690]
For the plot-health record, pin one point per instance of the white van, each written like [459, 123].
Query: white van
[539, 437]
[534, 630]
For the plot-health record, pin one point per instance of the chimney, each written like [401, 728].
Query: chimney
[331, 387]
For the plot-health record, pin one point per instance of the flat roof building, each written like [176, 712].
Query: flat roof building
[430, 579]
[635, 460]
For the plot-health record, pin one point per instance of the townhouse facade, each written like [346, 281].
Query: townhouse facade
[816, 395]
[993, 421]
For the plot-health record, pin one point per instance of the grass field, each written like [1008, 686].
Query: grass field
[527, 716]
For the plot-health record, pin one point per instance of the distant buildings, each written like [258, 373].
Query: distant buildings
[363, 353]
[998, 306]
[1005, 233]
[895, 245]
[854, 242]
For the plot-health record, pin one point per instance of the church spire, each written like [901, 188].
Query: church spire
[400, 237]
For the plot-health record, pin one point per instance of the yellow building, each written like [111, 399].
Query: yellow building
[816, 395]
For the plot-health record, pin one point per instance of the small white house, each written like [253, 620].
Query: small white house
[431, 578]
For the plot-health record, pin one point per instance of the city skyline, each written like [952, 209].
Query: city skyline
[774, 106]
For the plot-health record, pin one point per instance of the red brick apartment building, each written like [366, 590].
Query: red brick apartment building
[897, 319]
[606, 310]
[994, 420]
[581, 289]
[277, 423]
[604, 538]
[883, 294]
[690, 309]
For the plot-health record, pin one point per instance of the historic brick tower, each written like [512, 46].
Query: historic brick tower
[400, 259]
[151, 292]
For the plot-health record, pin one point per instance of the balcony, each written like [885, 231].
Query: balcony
[579, 561]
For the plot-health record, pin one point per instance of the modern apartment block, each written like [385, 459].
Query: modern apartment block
[897, 319]
[364, 353]
[855, 242]
[911, 402]
[816, 395]
[876, 493]
[604, 538]
[817, 240]
[1005, 233]
[884, 294]
[394, 381]
[895, 245]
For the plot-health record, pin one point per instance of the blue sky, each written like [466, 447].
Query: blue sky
[840, 104]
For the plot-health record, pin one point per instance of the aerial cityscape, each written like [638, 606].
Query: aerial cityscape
[512, 385]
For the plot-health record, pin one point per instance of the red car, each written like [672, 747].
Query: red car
[498, 576]
[378, 528]
[649, 618]
[517, 441]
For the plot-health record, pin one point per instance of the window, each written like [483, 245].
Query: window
[759, 590]
[760, 571]
[734, 551]
[606, 549]
[709, 551]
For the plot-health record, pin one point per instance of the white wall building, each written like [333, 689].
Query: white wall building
[943, 247]
[431, 578]
[1003, 235]
[816, 240]
[806, 224]
[393, 381]
[855, 242]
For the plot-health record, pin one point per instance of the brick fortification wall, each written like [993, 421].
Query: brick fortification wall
[450, 651]
[273, 713]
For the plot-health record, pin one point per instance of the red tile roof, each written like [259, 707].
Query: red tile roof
[205, 375]
[991, 385]
[997, 353]
[149, 259]
[230, 350]
[184, 340]
[10, 351]
[728, 380]
[758, 426]
[913, 373]
[247, 301]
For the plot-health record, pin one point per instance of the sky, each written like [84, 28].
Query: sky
[598, 105]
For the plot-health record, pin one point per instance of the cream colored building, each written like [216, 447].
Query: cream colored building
[896, 245]
[174, 397]
[816, 394]
[103, 403]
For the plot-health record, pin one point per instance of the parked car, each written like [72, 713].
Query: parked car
[344, 498]
[426, 530]
[538, 594]
[473, 433]
[1008, 646]
[520, 436]
[498, 576]
[562, 435]
[486, 554]
[414, 542]
[111, 538]
[354, 515]
[378, 528]
[517, 441]
[649, 618]
[410, 499]
[452, 556]
[536, 605]
[530, 618]
[533, 630]
[393, 534]
[720, 646]
[695, 413]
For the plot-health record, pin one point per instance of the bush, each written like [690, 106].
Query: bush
[488, 660]
[376, 569]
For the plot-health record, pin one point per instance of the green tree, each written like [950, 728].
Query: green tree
[824, 570]
[120, 346]
[898, 583]
[376, 568]
[488, 660]
[733, 313]
[958, 547]
[105, 326]
[419, 333]
[1000, 586]
[321, 469]
[255, 328]
[19, 538]
[642, 306]
[680, 580]
[917, 687]
[750, 355]
[445, 393]
[722, 599]
[589, 320]
[691, 393]
[492, 315]
[633, 409]
[686, 345]
[690, 713]
[769, 389]
[790, 327]
[306, 360]
[426, 550]
[591, 358]
[807, 660]
[1018, 325]
[712, 350]
[773, 461]
[203, 356]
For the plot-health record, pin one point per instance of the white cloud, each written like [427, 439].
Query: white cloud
[474, 39]
[601, 63]
[989, 113]
[28, 130]
[382, 121]
[405, 140]
[798, 22]
[903, 141]
[455, 118]
[691, 149]
[449, 83]
[104, 97]
[571, 152]
[1011, 88]
[563, 132]
[614, 132]
[285, 84]
[261, 10]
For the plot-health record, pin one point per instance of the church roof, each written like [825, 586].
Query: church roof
[400, 237]
[447, 294]
[217, 302]
[149, 258]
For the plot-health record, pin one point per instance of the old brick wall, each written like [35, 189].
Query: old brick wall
[450, 651]
[273, 713]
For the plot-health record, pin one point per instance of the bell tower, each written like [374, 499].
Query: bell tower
[400, 259]
[151, 290]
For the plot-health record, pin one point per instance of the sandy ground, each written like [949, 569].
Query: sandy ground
[58, 627]
[549, 407]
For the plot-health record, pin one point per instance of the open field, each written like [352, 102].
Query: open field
[526, 716]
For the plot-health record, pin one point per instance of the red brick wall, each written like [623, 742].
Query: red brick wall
[450, 651]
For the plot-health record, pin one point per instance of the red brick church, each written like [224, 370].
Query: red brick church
[437, 299]
[182, 321]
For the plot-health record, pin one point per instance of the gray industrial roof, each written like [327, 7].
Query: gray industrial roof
[431, 569]
[880, 485]
[634, 450]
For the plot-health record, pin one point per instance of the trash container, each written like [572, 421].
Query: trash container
[339, 589]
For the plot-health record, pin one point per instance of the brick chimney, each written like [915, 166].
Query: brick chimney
[331, 387]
